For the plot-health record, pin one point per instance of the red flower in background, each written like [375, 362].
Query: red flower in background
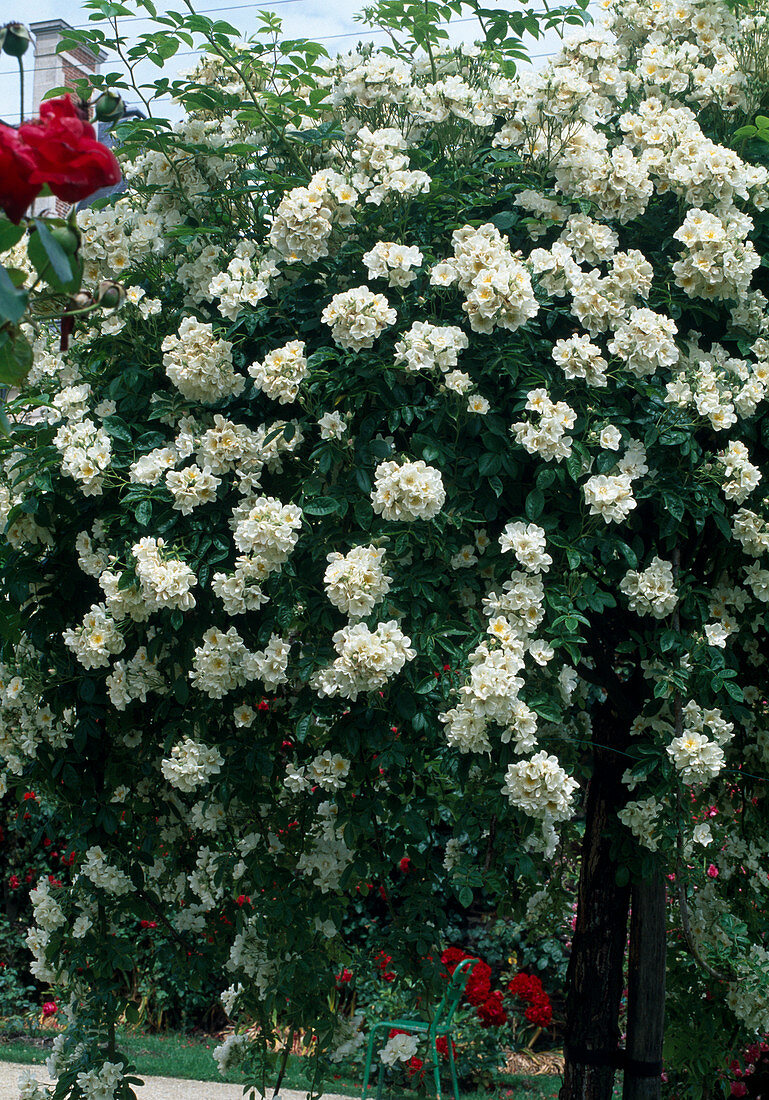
[383, 961]
[344, 977]
[49, 1008]
[442, 1046]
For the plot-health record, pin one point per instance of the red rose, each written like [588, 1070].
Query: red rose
[16, 167]
[67, 155]
[491, 1013]
[415, 1068]
[540, 1011]
[49, 1008]
[478, 985]
[526, 986]
[452, 957]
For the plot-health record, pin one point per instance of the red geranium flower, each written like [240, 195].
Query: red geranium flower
[67, 155]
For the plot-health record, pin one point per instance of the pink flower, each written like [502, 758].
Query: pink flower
[49, 1008]
[739, 1089]
[712, 872]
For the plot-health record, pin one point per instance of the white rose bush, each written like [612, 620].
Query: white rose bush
[413, 502]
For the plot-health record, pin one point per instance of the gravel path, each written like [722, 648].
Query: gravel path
[154, 1088]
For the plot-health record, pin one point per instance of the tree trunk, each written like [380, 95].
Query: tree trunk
[595, 975]
[646, 991]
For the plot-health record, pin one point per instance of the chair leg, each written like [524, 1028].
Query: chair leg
[452, 1067]
[369, 1058]
[436, 1072]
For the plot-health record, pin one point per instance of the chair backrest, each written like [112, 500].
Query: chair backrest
[444, 1013]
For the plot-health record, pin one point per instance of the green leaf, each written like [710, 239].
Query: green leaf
[426, 686]
[16, 358]
[535, 504]
[10, 234]
[321, 506]
[143, 512]
[465, 897]
[13, 302]
[117, 428]
[50, 259]
[489, 464]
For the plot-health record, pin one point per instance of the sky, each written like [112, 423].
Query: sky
[329, 22]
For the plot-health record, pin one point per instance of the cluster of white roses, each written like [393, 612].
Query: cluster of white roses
[165, 581]
[130, 680]
[223, 663]
[697, 757]
[610, 496]
[548, 438]
[719, 260]
[306, 217]
[651, 591]
[721, 386]
[407, 491]
[740, 476]
[242, 284]
[328, 771]
[191, 764]
[496, 285]
[426, 346]
[325, 861]
[356, 581]
[281, 372]
[86, 453]
[357, 317]
[395, 262]
[96, 639]
[540, 787]
[366, 660]
[199, 364]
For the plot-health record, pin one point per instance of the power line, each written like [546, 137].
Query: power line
[203, 11]
[201, 51]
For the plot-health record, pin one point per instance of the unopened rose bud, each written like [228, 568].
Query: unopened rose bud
[111, 295]
[67, 238]
[15, 39]
[81, 300]
[109, 107]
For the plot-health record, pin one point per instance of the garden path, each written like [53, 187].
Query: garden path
[154, 1088]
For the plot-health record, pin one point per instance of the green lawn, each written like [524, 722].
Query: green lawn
[174, 1055]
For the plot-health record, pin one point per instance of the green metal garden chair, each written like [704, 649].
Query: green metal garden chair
[433, 1029]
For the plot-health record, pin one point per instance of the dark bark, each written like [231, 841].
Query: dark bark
[646, 990]
[595, 975]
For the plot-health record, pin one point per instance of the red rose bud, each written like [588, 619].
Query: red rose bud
[15, 39]
[16, 167]
[67, 155]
